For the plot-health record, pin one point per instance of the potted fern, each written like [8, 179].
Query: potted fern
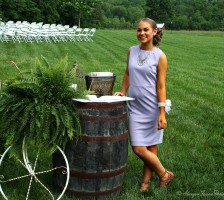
[37, 105]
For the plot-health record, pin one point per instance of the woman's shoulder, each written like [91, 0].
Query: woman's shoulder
[134, 47]
[159, 52]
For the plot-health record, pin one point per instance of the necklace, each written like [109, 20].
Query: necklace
[141, 61]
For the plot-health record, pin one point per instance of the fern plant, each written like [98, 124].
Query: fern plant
[37, 105]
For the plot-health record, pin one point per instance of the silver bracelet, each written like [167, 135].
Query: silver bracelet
[161, 104]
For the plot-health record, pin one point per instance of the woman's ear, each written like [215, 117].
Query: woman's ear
[155, 32]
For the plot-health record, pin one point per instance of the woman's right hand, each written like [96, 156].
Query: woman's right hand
[118, 94]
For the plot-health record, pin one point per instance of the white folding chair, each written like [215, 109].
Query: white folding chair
[66, 27]
[75, 27]
[21, 36]
[53, 34]
[84, 34]
[53, 26]
[9, 23]
[9, 35]
[77, 33]
[70, 34]
[44, 35]
[46, 26]
[61, 36]
[33, 36]
[90, 34]
[1, 36]
[40, 24]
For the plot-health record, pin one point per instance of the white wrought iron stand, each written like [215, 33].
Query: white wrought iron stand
[32, 174]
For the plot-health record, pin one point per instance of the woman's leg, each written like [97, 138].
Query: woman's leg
[147, 171]
[153, 162]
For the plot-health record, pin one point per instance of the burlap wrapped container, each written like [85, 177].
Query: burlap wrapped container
[100, 83]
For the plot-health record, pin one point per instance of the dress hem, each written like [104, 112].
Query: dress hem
[136, 144]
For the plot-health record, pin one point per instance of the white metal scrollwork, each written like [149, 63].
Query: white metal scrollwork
[33, 174]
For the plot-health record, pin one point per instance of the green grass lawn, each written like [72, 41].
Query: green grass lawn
[193, 145]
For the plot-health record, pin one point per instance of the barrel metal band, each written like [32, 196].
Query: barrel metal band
[103, 118]
[99, 105]
[96, 193]
[116, 138]
[86, 175]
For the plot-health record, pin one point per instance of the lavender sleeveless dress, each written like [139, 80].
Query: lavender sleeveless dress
[143, 112]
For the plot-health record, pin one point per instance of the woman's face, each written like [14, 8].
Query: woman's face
[145, 32]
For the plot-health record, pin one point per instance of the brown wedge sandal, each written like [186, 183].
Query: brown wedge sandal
[164, 182]
[144, 187]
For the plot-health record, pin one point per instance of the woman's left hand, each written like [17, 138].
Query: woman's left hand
[162, 123]
[119, 94]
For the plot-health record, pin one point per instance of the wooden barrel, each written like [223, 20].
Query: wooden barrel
[98, 161]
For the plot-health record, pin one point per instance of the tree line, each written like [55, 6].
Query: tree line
[117, 14]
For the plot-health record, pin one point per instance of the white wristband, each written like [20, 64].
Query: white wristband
[161, 104]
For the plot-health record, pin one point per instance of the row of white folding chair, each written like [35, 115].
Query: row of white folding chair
[78, 34]
[11, 35]
[33, 36]
[68, 35]
[25, 35]
[37, 35]
[25, 24]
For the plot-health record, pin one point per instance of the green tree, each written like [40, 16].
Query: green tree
[67, 13]
[159, 10]
[94, 18]
[196, 21]
[180, 22]
[49, 10]
[22, 10]
[135, 14]
[75, 10]
[119, 11]
[125, 12]
[201, 14]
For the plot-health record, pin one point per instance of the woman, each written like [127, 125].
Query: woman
[144, 79]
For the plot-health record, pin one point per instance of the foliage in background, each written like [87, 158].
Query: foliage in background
[77, 10]
[118, 14]
[198, 14]
[160, 10]
[37, 106]
[122, 14]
